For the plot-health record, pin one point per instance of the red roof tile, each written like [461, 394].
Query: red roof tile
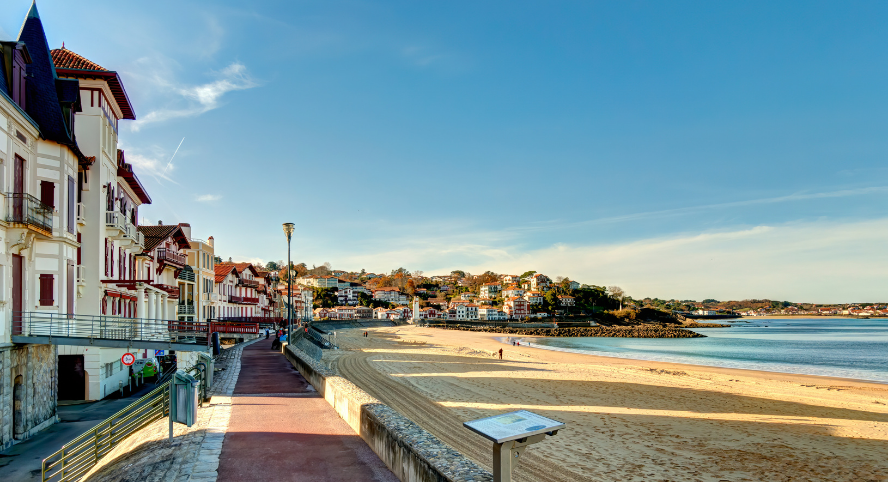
[65, 59]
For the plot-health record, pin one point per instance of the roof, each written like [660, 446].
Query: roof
[44, 87]
[154, 235]
[70, 64]
[240, 267]
[223, 270]
[125, 170]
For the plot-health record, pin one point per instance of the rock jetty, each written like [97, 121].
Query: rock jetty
[645, 331]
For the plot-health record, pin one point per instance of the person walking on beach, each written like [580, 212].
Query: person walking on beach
[501, 353]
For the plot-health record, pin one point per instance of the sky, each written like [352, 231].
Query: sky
[687, 150]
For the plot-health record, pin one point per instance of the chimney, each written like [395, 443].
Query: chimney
[210, 241]
[186, 228]
[229, 259]
[159, 222]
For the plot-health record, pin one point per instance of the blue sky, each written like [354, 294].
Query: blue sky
[678, 149]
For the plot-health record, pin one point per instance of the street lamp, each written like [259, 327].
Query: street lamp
[288, 229]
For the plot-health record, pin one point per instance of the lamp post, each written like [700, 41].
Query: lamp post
[288, 229]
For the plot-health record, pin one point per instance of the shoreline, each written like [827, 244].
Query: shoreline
[639, 420]
[711, 368]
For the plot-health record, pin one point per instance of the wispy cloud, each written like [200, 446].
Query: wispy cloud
[206, 198]
[198, 99]
[706, 207]
[823, 261]
[152, 165]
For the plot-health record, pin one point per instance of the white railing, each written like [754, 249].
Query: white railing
[81, 214]
[81, 275]
[115, 220]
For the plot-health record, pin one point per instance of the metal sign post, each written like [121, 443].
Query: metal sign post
[511, 433]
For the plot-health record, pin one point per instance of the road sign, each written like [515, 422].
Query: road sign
[128, 359]
[158, 352]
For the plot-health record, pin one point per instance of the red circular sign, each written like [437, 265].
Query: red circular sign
[128, 359]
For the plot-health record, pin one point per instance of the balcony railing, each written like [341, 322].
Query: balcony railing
[116, 221]
[81, 214]
[249, 283]
[140, 240]
[28, 210]
[166, 256]
[41, 324]
[186, 275]
[243, 300]
[81, 275]
[185, 309]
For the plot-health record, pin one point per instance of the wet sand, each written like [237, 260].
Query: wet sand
[627, 419]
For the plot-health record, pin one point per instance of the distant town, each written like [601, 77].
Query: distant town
[341, 295]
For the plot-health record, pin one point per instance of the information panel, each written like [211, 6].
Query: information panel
[512, 426]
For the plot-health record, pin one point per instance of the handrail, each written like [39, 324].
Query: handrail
[78, 456]
[26, 209]
[31, 323]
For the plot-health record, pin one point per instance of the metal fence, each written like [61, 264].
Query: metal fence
[78, 456]
[32, 323]
[26, 209]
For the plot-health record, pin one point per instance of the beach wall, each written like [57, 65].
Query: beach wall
[411, 453]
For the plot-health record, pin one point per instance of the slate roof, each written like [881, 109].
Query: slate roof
[154, 235]
[44, 86]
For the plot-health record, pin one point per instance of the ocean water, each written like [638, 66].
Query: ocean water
[813, 346]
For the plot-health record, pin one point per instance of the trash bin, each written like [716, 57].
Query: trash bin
[184, 401]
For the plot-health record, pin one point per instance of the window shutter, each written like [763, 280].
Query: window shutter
[46, 286]
[111, 259]
[47, 193]
[106, 257]
[72, 204]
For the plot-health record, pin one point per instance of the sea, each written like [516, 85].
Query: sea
[834, 347]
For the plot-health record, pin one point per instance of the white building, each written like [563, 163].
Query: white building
[489, 313]
[391, 295]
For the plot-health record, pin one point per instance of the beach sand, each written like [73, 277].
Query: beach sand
[627, 420]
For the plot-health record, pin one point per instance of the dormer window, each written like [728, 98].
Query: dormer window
[19, 77]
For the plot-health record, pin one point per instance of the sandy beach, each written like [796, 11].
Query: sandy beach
[626, 419]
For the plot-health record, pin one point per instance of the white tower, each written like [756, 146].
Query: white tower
[415, 309]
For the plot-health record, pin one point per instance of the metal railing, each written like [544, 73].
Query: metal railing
[252, 328]
[164, 255]
[78, 456]
[254, 319]
[243, 300]
[26, 209]
[185, 309]
[249, 283]
[186, 275]
[31, 323]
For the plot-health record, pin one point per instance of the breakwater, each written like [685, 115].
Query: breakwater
[645, 331]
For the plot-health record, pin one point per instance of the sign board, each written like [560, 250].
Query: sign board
[158, 352]
[512, 426]
[128, 359]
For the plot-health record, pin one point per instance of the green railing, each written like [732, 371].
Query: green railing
[78, 456]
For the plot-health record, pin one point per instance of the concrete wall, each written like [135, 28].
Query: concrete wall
[36, 364]
[411, 453]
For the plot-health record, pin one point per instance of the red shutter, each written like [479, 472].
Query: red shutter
[47, 193]
[72, 204]
[106, 257]
[46, 286]
[111, 259]
[79, 248]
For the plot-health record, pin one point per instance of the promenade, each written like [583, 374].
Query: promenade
[281, 429]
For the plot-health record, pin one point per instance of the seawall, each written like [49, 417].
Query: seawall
[411, 453]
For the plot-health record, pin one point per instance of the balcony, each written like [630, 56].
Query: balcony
[140, 240]
[185, 309]
[244, 300]
[249, 283]
[169, 257]
[81, 214]
[187, 274]
[115, 224]
[27, 211]
[81, 275]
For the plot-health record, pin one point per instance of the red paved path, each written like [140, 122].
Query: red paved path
[290, 435]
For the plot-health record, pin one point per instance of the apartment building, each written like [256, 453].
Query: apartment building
[490, 290]
[564, 300]
[512, 291]
[201, 259]
[516, 308]
[534, 297]
[391, 295]
[489, 313]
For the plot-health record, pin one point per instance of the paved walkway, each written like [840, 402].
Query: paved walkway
[281, 429]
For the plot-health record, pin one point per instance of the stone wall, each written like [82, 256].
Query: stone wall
[36, 364]
[411, 453]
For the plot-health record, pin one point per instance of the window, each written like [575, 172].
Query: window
[72, 204]
[46, 290]
[19, 76]
[47, 193]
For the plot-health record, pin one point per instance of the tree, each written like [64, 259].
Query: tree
[458, 273]
[411, 287]
[551, 299]
[272, 266]
[617, 293]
